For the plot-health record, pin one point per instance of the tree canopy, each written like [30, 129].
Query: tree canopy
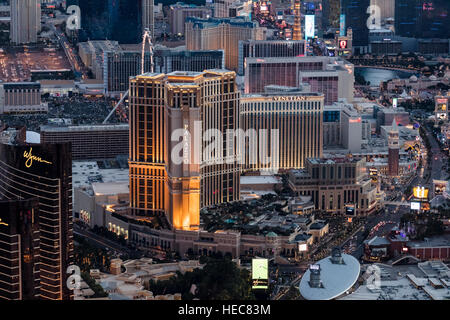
[220, 279]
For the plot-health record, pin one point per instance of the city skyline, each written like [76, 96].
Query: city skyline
[224, 150]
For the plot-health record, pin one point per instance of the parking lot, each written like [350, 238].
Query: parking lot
[81, 110]
[16, 64]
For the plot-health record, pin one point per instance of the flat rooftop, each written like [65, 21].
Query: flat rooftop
[403, 282]
[85, 173]
[57, 83]
[110, 188]
[294, 94]
[442, 241]
[212, 22]
[106, 127]
[185, 73]
[249, 180]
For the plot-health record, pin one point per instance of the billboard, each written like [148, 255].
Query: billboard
[441, 108]
[260, 273]
[309, 26]
[288, 33]
[394, 102]
[415, 205]
[342, 25]
[373, 173]
[343, 44]
[350, 210]
[302, 247]
[420, 192]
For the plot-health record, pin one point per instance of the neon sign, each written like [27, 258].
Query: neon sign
[30, 158]
[3, 223]
[420, 192]
[427, 6]
[294, 98]
[343, 44]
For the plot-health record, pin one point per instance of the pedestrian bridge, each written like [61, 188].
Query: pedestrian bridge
[407, 258]
[397, 203]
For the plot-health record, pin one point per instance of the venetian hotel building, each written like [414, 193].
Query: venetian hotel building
[160, 104]
[298, 118]
[44, 171]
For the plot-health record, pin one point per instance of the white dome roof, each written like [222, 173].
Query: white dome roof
[433, 78]
[336, 278]
[413, 78]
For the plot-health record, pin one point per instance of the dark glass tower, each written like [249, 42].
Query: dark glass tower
[44, 171]
[422, 18]
[356, 18]
[406, 17]
[331, 10]
[19, 249]
[119, 20]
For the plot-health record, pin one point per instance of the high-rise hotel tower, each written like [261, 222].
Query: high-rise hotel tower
[25, 21]
[194, 104]
[44, 171]
[297, 116]
[19, 249]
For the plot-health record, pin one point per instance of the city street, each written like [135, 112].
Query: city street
[437, 158]
[101, 242]
[73, 58]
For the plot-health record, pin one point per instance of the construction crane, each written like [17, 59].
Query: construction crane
[146, 38]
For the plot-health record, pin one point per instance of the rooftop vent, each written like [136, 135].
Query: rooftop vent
[336, 256]
[314, 277]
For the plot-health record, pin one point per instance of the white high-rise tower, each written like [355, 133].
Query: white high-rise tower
[148, 17]
[25, 21]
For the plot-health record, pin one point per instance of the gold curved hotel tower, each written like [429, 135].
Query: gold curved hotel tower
[159, 105]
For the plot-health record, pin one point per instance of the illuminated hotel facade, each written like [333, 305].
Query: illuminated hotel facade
[19, 249]
[161, 104]
[44, 171]
[298, 117]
